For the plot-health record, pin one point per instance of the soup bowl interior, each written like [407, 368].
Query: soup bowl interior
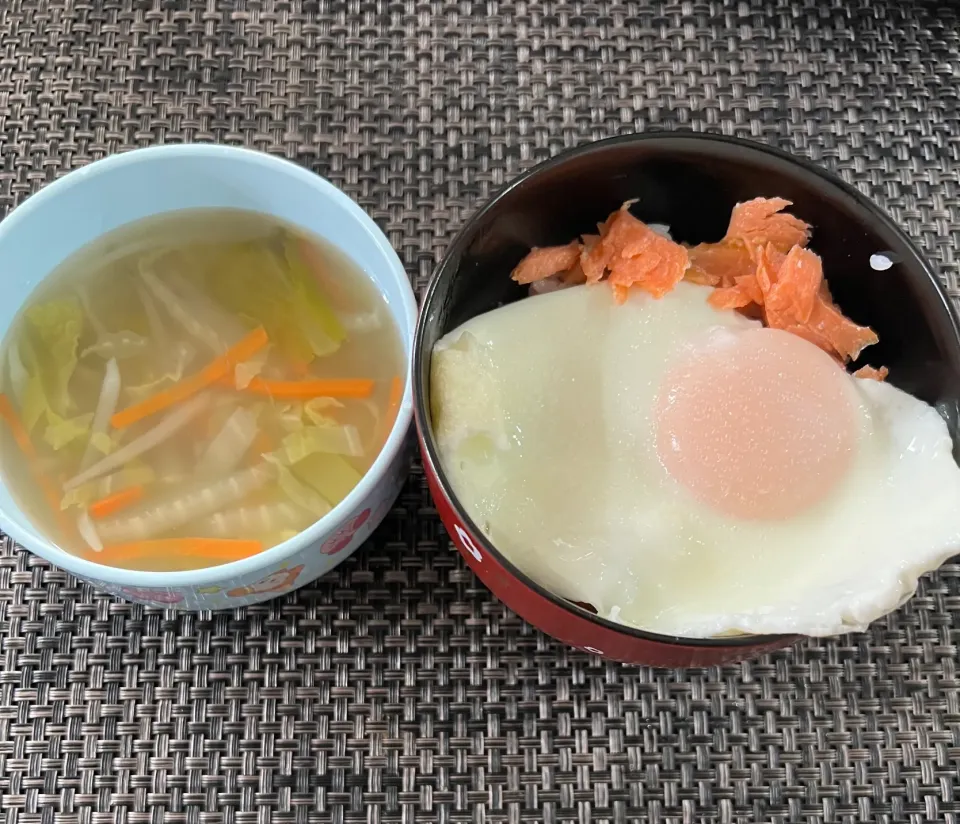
[689, 183]
[92, 201]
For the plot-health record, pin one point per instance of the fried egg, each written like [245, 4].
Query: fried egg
[685, 470]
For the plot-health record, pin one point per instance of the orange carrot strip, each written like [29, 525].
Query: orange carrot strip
[319, 388]
[117, 501]
[216, 370]
[22, 438]
[218, 549]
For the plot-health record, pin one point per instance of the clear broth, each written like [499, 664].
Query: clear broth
[279, 461]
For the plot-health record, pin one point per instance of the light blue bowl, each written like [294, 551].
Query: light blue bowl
[98, 198]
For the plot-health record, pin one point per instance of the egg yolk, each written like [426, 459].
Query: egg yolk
[758, 425]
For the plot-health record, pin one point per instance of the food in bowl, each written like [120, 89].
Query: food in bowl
[193, 388]
[682, 449]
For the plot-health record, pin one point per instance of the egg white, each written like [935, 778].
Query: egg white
[543, 411]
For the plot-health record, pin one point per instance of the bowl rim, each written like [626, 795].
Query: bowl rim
[404, 315]
[431, 457]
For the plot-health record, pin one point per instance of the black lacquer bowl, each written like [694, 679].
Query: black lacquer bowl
[691, 183]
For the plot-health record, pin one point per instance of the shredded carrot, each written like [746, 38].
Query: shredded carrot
[221, 550]
[118, 500]
[22, 438]
[317, 388]
[216, 370]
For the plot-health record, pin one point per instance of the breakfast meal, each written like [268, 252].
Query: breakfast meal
[194, 388]
[674, 435]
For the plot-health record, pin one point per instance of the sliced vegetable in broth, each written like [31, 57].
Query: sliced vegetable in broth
[193, 388]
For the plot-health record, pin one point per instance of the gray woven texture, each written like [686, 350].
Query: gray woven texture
[397, 689]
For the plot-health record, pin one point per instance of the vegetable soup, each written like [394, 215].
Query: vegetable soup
[193, 388]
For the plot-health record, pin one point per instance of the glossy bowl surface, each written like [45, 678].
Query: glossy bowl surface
[95, 199]
[691, 183]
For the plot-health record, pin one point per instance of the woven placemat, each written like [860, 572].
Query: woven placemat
[397, 689]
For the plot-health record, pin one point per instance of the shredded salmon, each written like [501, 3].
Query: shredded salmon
[760, 268]
[626, 251]
[769, 260]
[742, 294]
[758, 223]
[795, 298]
[790, 293]
[791, 297]
[846, 338]
[719, 264]
[762, 220]
[745, 290]
[574, 276]
[541, 263]
[634, 255]
[589, 241]
[871, 373]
